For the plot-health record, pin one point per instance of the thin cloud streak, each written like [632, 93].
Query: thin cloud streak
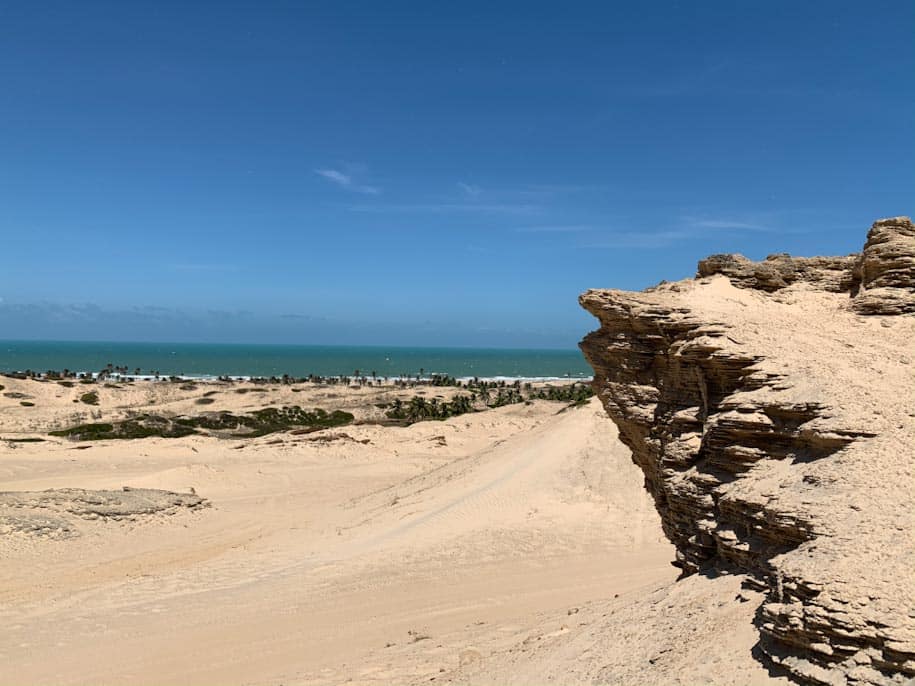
[773, 225]
[204, 267]
[335, 176]
[445, 208]
[470, 189]
[728, 224]
[689, 228]
[572, 228]
[636, 239]
[346, 181]
[547, 190]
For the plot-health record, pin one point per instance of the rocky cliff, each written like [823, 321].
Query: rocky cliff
[770, 406]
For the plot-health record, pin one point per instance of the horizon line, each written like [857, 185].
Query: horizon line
[377, 346]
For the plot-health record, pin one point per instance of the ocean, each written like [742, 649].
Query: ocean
[210, 360]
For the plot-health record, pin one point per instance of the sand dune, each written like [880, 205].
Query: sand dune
[378, 555]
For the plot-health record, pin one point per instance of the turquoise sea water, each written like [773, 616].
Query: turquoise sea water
[199, 359]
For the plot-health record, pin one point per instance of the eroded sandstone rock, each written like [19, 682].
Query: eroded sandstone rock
[778, 271]
[776, 434]
[885, 271]
[880, 278]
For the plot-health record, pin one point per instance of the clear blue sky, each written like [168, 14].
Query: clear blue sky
[427, 172]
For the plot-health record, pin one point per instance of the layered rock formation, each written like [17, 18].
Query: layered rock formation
[881, 278]
[774, 425]
[884, 274]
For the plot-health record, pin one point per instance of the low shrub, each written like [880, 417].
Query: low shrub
[140, 427]
[251, 425]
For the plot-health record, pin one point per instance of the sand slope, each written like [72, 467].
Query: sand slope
[385, 555]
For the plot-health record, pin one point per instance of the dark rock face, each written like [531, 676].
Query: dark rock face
[737, 450]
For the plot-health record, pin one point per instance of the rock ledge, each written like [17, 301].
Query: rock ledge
[770, 420]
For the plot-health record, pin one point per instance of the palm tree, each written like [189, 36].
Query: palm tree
[418, 408]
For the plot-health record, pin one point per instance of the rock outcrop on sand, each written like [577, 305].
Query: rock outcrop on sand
[881, 278]
[885, 272]
[54, 513]
[774, 424]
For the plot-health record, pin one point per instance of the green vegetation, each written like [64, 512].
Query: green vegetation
[485, 395]
[251, 425]
[66, 384]
[576, 394]
[418, 409]
[138, 427]
[204, 401]
[84, 429]
[26, 403]
[269, 420]
[90, 398]
[23, 440]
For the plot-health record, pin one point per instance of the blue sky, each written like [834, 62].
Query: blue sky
[427, 173]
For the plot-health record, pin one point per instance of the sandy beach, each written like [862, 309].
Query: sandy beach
[372, 554]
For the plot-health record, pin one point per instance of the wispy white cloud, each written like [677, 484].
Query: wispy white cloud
[780, 222]
[347, 182]
[689, 228]
[642, 239]
[554, 189]
[202, 267]
[335, 176]
[470, 189]
[567, 228]
[447, 208]
[725, 224]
